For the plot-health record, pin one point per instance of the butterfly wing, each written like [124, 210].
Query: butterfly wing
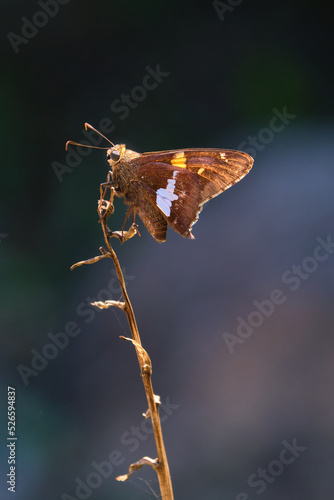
[174, 192]
[222, 167]
[153, 219]
[176, 184]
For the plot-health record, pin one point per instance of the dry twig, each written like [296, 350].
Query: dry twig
[159, 464]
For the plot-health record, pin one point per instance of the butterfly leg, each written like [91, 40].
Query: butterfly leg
[121, 235]
[134, 225]
[103, 189]
[126, 235]
[106, 208]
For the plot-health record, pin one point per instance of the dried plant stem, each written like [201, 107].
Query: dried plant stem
[160, 464]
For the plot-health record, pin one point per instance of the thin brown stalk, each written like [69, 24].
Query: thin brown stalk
[160, 464]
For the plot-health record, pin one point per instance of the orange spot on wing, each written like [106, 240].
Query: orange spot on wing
[179, 162]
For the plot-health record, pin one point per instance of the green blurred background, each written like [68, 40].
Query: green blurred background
[227, 67]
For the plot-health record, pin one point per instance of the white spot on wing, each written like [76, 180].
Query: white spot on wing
[223, 157]
[166, 196]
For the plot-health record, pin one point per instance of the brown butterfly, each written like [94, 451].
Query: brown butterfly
[171, 187]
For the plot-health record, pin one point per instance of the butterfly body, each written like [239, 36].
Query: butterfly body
[171, 187]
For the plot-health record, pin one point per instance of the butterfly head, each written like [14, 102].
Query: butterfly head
[115, 154]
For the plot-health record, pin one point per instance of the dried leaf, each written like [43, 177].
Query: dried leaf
[157, 401]
[125, 235]
[137, 465]
[109, 303]
[89, 261]
[147, 364]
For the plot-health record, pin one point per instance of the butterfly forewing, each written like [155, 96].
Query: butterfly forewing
[223, 167]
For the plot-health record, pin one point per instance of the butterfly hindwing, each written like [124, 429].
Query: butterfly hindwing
[153, 219]
[174, 191]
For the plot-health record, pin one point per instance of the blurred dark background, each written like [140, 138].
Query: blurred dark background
[232, 404]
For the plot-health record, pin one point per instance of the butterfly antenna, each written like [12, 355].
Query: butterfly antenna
[104, 137]
[87, 125]
[82, 145]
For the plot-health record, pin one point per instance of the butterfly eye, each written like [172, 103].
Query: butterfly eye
[114, 156]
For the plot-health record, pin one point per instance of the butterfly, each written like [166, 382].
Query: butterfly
[170, 187]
